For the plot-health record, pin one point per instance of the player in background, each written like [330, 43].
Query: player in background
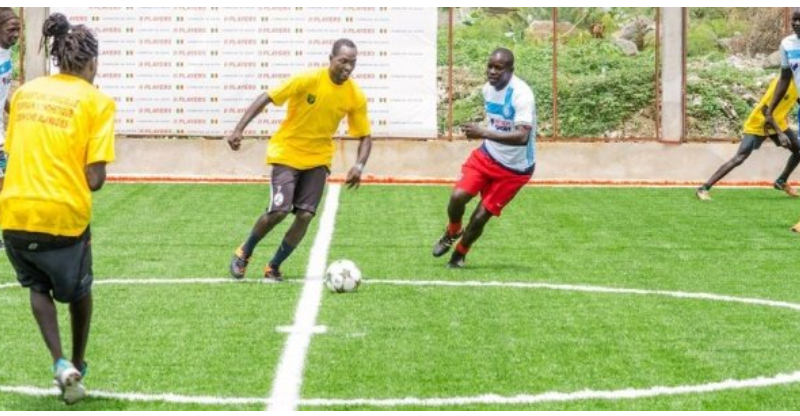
[756, 129]
[9, 35]
[501, 166]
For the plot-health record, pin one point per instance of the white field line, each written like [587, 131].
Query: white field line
[546, 397]
[140, 397]
[289, 375]
[563, 397]
[592, 289]
[444, 283]
[490, 399]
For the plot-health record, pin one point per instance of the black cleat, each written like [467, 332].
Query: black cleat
[457, 261]
[443, 245]
[272, 275]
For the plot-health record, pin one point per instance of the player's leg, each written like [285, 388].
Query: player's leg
[46, 314]
[61, 266]
[502, 189]
[282, 191]
[80, 300]
[308, 193]
[471, 182]
[472, 233]
[782, 183]
[749, 143]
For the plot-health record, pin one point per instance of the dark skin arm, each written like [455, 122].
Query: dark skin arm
[780, 91]
[7, 107]
[518, 136]
[235, 138]
[96, 175]
[774, 126]
[353, 179]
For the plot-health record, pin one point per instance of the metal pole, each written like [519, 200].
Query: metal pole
[450, 75]
[555, 72]
[684, 35]
[658, 74]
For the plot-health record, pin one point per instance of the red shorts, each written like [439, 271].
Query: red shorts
[496, 184]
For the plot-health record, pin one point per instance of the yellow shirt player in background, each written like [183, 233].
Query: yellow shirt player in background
[301, 150]
[756, 130]
[60, 137]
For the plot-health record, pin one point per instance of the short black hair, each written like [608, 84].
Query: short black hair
[506, 54]
[337, 46]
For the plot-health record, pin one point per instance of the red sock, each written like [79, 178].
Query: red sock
[453, 228]
[461, 249]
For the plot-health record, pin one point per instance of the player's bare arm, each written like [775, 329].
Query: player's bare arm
[96, 175]
[235, 138]
[518, 136]
[780, 91]
[353, 179]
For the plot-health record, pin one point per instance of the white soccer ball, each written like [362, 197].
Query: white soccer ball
[343, 276]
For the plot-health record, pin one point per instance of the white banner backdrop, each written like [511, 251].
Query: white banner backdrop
[194, 71]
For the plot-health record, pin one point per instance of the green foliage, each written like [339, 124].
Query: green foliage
[719, 88]
[599, 87]
[702, 40]
[15, 60]
[597, 96]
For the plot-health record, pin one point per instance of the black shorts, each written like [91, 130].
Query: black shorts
[46, 263]
[752, 142]
[294, 189]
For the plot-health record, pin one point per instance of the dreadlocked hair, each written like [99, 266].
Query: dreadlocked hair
[7, 14]
[73, 47]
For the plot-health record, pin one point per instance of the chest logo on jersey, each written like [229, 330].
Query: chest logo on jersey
[500, 124]
[311, 99]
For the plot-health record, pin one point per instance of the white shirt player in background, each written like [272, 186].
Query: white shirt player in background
[790, 67]
[9, 35]
[503, 163]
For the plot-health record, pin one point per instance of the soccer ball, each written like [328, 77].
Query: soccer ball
[343, 276]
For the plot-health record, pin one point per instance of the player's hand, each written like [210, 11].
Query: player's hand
[235, 140]
[472, 131]
[783, 139]
[353, 179]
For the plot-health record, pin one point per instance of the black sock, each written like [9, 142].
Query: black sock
[249, 245]
[283, 252]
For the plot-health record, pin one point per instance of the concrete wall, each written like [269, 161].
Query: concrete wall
[441, 159]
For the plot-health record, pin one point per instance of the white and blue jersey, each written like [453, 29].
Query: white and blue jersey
[506, 109]
[6, 68]
[790, 57]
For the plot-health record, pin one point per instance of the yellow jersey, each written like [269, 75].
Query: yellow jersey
[316, 107]
[756, 121]
[58, 125]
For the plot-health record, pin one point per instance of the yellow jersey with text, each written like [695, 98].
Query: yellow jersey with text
[316, 107]
[756, 122]
[58, 125]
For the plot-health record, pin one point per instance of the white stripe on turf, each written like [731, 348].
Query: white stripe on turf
[593, 289]
[289, 375]
[303, 328]
[486, 399]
